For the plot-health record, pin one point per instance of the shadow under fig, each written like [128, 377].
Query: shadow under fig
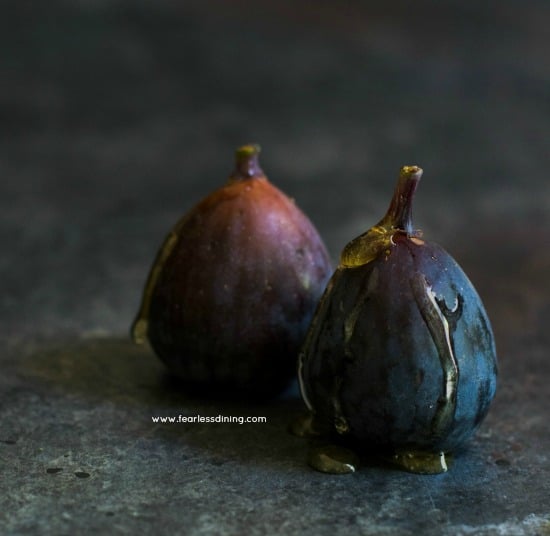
[117, 369]
[117, 372]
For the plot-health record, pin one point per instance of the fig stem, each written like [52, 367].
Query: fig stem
[247, 164]
[399, 214]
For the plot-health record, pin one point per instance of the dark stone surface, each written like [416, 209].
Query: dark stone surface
[118, 116]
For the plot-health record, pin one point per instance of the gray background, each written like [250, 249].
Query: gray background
[118, 116]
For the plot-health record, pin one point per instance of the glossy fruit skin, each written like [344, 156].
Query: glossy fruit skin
[400, 354]
[234, 297]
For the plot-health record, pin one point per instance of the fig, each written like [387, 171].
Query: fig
[400, 357]
[234, 286]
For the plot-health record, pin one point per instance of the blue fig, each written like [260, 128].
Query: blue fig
[400, 356]
[233, 288]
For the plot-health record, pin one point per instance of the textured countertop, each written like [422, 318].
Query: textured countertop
[117, 116]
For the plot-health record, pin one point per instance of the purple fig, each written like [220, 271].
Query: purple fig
[400, 356]
[231, 293]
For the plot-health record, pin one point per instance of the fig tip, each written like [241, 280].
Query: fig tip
[247, 151]
[247, 162]
[412, 171]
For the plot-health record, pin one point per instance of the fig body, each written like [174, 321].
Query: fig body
[232, 291]
[400, 356]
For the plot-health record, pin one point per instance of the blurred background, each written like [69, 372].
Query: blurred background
[118, 115]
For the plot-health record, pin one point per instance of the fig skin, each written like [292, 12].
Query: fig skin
[232, 292]
[400, 356]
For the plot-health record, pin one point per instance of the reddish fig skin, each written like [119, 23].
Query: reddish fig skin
[231, 295]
